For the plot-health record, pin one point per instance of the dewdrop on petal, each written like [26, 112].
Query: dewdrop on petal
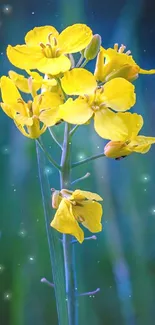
[93, 48]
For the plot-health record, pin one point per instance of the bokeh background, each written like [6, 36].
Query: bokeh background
[121, 262]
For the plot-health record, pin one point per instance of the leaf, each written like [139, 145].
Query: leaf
[54, 243]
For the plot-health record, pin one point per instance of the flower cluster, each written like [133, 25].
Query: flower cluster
[62, 89]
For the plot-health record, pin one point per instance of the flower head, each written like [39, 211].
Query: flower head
[33, 117]
[35, 81]
[117, 94]
[114, 63]
[128, 140]
[74, 208]
[46, 49]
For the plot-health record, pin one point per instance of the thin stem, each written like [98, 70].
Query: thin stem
[84, 64]
[91, 293]
[54, 163]
[84, 161]
[80, 61]
[73, 130]
[54, 137]
[81, 178]
[67, 239]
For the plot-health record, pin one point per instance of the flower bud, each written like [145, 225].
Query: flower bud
[56, 199]
[116, 149]
[93, 48]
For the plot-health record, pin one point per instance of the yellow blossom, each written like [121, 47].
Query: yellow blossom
[113, 63]
[117, 94]
[34, 82]
[33, 117]
[46, 49]
[74, 208]
[128, 140]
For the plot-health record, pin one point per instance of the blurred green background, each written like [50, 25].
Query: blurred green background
[121, 262]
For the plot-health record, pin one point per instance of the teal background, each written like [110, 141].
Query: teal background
[121, 262]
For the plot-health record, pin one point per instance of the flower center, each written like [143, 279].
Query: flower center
[50, 49]
[96, 100]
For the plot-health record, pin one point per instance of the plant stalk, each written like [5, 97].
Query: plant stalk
[70, 280]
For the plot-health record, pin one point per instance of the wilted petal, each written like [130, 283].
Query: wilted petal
[65, 222]
[90, 214]
[81, 195]
[142, 144]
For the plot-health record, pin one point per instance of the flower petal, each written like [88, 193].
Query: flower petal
[81, 195]
[54, 65]
[142, 144]
[49, 117]
[20, 81]
[109, 126]
[65, 222]
[78, 82]
[8, 110]
[75, 111]
[74, 38]
[110, 62]
[119, 94]
[23, 120]
[40, 35]
[9, 91]
[91, 213]
[143, 71]
[49, 108]
[133, 122]
[24, 57]
[48, 100]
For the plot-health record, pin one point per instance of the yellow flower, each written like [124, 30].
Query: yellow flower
[46, 49]
[112, 63]
[117, 94]
[74, 208]
[128, 140]
[33, 83]
[33, 117]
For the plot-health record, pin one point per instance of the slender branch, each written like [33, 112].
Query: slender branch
[70, 277]
[74, 241]
[83, 64]
[91, 293]
[50, 284]
[73, 130]
[81, 178]
[80, 61]
[54, 137]
[54, 163]
[84, 161]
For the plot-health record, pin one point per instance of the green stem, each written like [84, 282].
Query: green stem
[73, 130]
[54, 137]
[84, 161]
[84, 64]
[71, 296]
[54, 163]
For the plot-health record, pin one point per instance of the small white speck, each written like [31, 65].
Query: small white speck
[1, 268]
[7, 296]
[32, 12]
